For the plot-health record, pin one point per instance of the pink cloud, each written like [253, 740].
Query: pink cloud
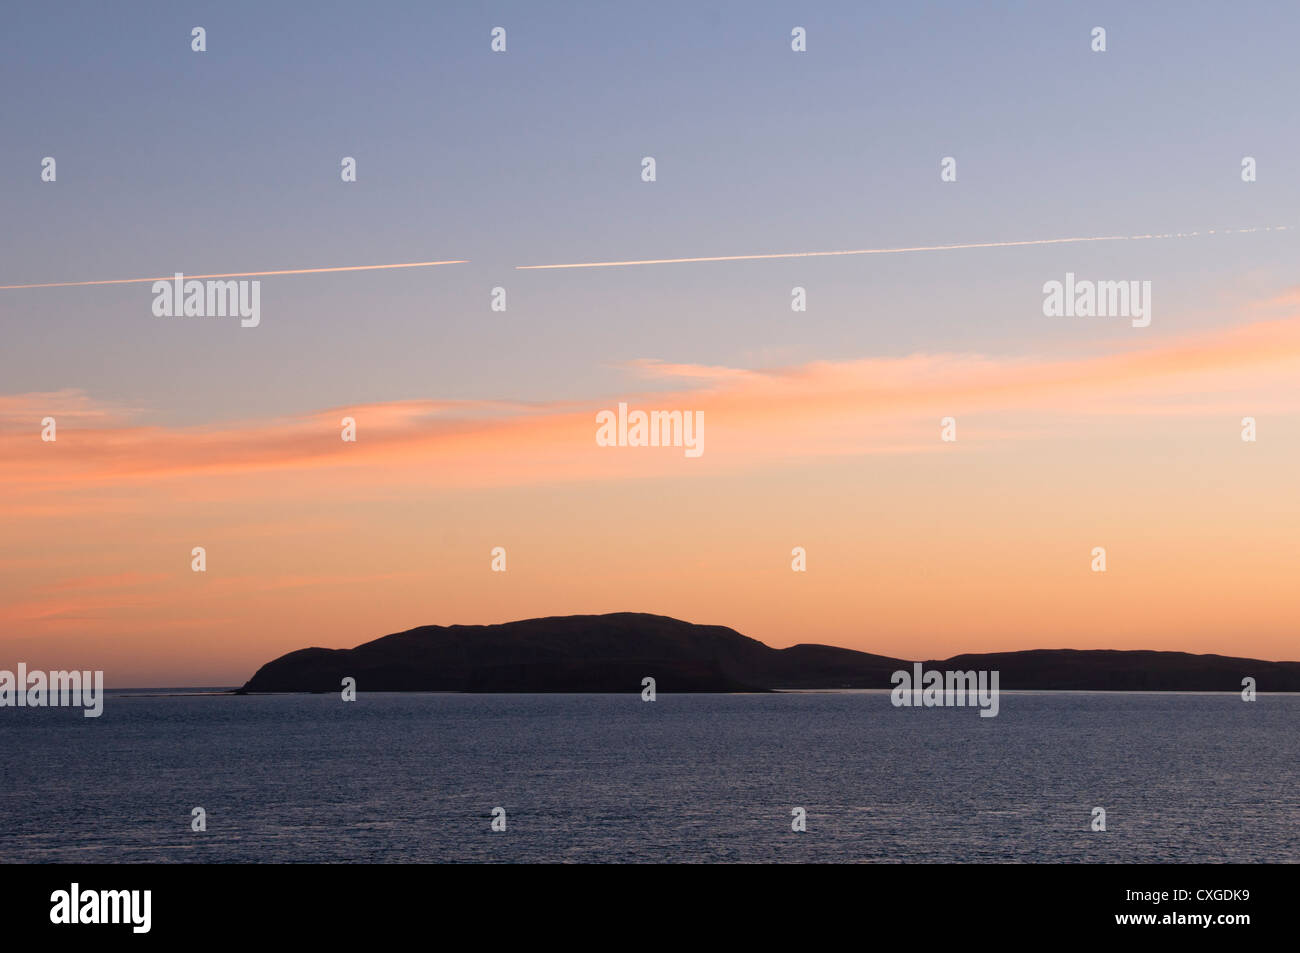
[824, 408]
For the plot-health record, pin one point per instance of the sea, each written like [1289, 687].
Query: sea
[433, 777]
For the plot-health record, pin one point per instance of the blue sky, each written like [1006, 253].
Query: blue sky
[229, 161]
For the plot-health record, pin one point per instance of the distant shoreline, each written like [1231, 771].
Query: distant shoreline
[239, 693]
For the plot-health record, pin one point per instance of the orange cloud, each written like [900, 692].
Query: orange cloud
[825, 408]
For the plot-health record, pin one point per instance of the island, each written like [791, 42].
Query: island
[615, 651]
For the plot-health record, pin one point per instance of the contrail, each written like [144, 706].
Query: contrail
[235, 274]
[898, 251]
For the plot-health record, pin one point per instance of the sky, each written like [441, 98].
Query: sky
[476, 428]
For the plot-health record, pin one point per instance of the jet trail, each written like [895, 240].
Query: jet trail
[234, 274]
[897, 251]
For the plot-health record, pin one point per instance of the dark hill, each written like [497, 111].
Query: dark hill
[612, 653]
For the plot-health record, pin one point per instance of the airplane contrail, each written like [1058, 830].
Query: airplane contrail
[912, 248]
[235, 274]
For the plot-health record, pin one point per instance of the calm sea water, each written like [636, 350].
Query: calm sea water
[686, 778]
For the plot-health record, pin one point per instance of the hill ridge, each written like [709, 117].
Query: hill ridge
[612, 652]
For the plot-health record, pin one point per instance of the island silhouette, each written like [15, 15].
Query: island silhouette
[614, 652]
